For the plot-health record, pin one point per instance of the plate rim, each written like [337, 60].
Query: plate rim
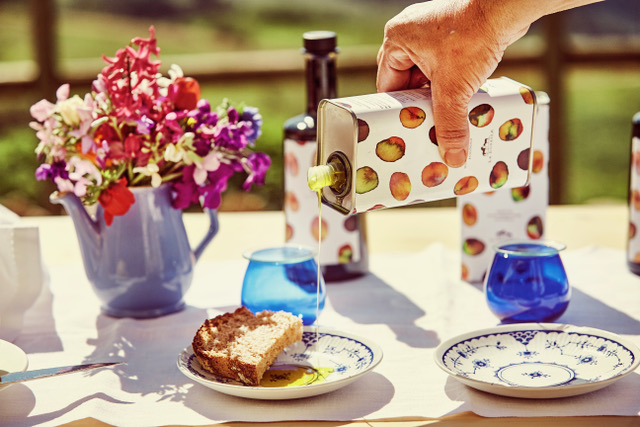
[537, 392]
[293, 392]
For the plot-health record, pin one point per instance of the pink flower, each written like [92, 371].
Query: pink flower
[42, 110]
[209, 163]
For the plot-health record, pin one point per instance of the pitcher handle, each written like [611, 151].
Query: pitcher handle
[211, 233]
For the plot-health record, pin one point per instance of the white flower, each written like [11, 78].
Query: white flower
[175, 71]
[68, 109]
[176, 152]
[151, 170]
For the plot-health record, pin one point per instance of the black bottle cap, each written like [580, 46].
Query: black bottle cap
[320, 41]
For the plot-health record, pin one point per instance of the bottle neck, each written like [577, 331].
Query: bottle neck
[321, 79]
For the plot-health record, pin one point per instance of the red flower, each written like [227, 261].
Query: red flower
[132, 145]
[185, 93]
[116, 200]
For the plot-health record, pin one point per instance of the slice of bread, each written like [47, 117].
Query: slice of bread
[242, 346]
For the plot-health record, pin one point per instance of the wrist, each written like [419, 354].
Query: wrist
[511, 17]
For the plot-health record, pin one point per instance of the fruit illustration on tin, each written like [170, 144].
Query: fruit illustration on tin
[350, 223]
[632, 230]
[345, 254]
[538, 161]
[464, 272]
[469, 214]
[366, 180]
[523, 159]
[519, 194]
[526, 94]
[288, 232]
[390, 149]
[635, 199]
[465, 185]
[291, 201]
[510, 130]
[363, 130]
[482, 115]
[434, 174]
[432, 135]
[400, 185]
[412, 117]
[635, 160]
[472, 247]
[535, 228]
[376, 207]
[291, 164]
[324, 229]
[499, 175]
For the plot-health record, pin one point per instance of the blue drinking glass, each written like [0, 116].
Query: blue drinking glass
[284, 278]
[527, 282]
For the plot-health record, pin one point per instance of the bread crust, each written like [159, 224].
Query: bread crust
[241, 345]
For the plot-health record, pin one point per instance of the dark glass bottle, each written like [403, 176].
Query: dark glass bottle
[343, 251]
[633, 246]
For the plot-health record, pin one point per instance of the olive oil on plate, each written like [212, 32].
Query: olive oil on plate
[294, 375]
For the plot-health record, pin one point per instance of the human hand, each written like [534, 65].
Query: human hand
[452, 46]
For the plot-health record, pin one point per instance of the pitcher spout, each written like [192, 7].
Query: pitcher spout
[87, 229]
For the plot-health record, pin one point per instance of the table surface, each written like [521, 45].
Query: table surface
[390, 231]
[412, 229]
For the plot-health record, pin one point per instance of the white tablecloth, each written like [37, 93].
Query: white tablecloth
[408, 305]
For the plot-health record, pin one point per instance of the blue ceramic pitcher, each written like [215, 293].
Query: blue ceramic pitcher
[141, 265]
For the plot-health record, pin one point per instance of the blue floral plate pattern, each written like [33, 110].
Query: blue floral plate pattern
[538, 361]
[348, 357]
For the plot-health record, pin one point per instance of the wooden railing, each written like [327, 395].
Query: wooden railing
[45, 74]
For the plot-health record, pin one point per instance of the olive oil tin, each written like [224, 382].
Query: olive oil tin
[389, 143]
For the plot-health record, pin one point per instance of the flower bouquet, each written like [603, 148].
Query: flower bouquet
[139, 128]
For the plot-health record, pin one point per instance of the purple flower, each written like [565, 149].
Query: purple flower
[258, 163]
[43, 172]
[250, 115]
[51, 171]
[233, 115]
[203, 115]
[231, 137]
[145, 125]
[186, 190]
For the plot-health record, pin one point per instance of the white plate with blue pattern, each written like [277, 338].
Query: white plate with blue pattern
[538, 361]
[331, 360]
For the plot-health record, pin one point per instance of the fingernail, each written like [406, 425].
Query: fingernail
[455, 157]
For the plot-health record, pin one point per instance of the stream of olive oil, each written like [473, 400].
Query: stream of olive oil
[319, 270]
[292, 375]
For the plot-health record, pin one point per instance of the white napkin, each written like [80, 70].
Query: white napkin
[21, 273]
[7, 216]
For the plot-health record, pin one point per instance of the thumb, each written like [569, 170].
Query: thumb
[450, 114]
